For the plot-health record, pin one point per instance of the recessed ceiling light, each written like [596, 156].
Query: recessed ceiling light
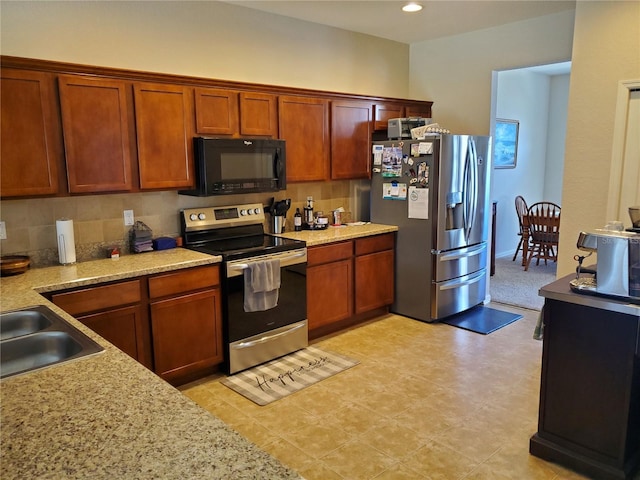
[412, 7]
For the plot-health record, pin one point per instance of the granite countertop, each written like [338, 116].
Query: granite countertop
[337, 234]
[106, 416]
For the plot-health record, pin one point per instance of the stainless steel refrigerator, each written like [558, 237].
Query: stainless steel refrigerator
[437, 192]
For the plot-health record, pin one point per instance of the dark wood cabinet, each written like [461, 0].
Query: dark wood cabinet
[258, 114]
[384, 111]
[116, 312]
[304, 125]
[418, 110]
[31, 149]
[95, 120]
[119, 326]
[589, 416]
[128, 131]
[216, 111]
[164, 127]
[348, 282]
[329, 283]
[374, 272]
[186, 322]
[351, 129]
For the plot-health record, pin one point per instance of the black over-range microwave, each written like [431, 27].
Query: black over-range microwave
[238, 165]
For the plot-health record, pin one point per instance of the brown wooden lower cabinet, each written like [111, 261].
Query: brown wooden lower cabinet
[328, 298]
[115, 312]
[186, 332]
[170, 322]
[122, 327]
[348, 280]
[374, 272]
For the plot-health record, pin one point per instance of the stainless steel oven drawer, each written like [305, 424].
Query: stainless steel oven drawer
[458, 294]
[266, 346]
[459, 262]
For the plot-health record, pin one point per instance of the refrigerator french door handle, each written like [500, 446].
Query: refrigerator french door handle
[471, 188]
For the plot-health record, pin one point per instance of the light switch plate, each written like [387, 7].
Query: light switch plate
[3, 231]
[128, 217]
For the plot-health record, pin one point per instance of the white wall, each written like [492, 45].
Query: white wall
[207, 39]
[456, 72]
[605, 51]
[556, 133]
[522, 96]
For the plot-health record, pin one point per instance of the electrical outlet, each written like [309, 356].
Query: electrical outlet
[3, 231]
[128, 217]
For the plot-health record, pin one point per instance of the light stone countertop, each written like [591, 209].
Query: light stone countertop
[337, 234]
[106, 416]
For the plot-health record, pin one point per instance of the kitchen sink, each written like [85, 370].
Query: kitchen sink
[22, 322]
[36, 337]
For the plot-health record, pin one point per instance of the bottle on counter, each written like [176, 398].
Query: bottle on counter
[297, 220]
[308, 212]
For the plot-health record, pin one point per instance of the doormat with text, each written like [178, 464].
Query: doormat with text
[281, 377]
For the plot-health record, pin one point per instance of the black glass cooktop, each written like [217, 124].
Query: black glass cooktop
[242, 247]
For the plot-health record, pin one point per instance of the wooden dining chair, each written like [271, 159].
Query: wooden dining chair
[521, 211]
[543, 219]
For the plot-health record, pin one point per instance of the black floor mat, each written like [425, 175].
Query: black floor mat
[482, 319]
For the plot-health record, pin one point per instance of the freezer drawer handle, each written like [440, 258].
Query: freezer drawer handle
[464, 254]
[267, 338]
[456, 283]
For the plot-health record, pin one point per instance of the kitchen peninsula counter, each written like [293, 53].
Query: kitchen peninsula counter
[333, 234]
[106, 416]
[590, 383]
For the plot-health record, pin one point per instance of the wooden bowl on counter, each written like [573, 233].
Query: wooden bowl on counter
[13, 264]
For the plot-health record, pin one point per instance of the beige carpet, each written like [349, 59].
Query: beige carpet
[511, 285]
[285, 375]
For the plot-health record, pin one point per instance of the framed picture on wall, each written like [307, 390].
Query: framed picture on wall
[506, 143]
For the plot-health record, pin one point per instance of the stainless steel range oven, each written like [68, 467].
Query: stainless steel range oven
[275, 324]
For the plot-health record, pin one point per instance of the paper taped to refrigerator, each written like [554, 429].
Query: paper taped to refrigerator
[419, 203]
[394, 191]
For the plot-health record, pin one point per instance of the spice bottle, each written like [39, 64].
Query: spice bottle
[297, 220]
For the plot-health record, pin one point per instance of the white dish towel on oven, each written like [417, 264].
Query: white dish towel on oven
[261, 285]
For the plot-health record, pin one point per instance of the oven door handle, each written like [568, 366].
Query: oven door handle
[285, 261]
[267, 338]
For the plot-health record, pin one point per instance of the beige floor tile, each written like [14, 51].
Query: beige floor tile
[427, 401]
[357, 461]
[394, 439]
[400, 472]
[436, 461]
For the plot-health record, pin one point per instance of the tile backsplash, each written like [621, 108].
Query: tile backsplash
[99, 223]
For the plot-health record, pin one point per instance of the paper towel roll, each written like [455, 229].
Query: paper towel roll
[66, 242]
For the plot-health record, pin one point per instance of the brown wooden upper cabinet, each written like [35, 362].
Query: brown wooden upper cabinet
[229, 112]
[258, 114]
[96, 126]
[418, 110]
[216, 111]
[351, 128]
[31, 148]
[165, 130]
[304, 125]
[384, 111]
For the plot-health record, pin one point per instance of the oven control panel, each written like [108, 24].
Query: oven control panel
[223, 216]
